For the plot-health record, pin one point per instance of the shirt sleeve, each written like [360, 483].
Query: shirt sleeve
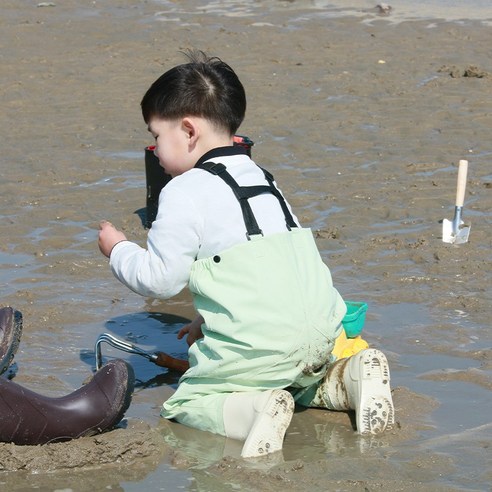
[163, 269]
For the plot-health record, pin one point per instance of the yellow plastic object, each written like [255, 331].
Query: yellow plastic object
[346, 347]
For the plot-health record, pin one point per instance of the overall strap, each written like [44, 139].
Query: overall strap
[289, 220]
[243, 193]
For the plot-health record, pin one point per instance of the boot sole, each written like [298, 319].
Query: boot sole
[375, 412]
[13, 331]
[268, 431]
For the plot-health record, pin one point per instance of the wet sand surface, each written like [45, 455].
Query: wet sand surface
[362, 121]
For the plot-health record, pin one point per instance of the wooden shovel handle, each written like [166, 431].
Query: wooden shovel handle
[460, 191]
[165, 360]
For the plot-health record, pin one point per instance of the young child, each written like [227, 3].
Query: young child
[269, 315]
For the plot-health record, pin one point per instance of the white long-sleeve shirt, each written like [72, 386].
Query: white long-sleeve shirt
[198, 217]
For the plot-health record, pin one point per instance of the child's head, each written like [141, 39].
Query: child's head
[205, 87]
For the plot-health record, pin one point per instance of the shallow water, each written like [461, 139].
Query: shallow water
[401, 10]
[418, 361]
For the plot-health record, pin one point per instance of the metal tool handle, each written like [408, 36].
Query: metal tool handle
[121, 345]
[462, 174]
[159, 358]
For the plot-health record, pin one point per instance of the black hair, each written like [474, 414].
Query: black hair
[205, 86]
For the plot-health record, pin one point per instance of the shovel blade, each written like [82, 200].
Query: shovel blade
[452, 237]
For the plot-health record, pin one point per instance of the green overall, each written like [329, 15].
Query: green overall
[271, 317]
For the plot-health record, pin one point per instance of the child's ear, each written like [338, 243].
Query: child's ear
[190, 127]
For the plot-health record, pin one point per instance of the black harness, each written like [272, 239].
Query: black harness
[244, 193]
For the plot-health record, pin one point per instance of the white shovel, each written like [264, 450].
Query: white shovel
[455, 231]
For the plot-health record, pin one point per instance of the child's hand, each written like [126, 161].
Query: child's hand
[108, 237]
[193, 330]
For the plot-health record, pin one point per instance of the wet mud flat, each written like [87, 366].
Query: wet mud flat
[362, 122]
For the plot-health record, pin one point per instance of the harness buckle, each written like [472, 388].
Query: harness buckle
[248, 235]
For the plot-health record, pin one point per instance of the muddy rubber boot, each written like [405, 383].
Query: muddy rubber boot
[10, 334]
[260, 418]
[29, 418]
[360, 383]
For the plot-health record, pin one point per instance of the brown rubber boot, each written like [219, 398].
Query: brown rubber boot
[10, 333]
[29, 418]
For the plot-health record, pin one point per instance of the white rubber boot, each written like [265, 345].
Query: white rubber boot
[259, 418]
[361, 383]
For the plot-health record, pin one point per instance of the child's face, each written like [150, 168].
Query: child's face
[172, 145]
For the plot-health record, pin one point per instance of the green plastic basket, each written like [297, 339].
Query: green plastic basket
[354, 320]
